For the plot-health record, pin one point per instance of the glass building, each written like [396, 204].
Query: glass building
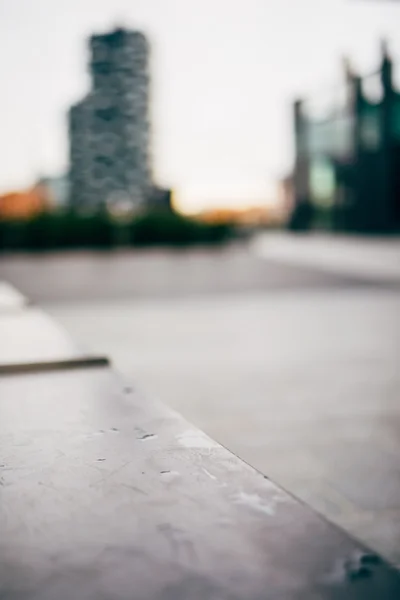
[347, 146]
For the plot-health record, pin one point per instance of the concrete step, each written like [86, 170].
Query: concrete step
[106, 494]
[32, 341]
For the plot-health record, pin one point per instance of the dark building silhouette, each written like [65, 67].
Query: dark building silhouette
[109, 130]
[347, 156]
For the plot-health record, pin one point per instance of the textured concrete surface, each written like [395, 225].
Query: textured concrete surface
[303, 387]
[106, 494]
[294, 369]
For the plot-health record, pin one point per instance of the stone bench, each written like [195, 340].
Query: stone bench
[107, 495]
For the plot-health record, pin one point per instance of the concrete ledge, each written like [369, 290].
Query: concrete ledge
[105, 494]
[11, 298]
[371, 259]
[32, 341]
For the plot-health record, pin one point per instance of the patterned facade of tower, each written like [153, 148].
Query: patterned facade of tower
[110, 128]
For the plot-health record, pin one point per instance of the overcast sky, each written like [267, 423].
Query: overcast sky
[224, 73]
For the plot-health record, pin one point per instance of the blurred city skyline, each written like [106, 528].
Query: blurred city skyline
[224, 74]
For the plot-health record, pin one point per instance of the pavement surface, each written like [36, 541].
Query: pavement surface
[93, 276]
[292, 364]
[376, 259]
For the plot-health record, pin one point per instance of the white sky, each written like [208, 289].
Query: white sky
[224, 74]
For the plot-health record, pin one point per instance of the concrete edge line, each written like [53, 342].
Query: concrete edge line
[83, 362]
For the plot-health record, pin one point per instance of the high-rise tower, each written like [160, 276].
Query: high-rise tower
[109, 129]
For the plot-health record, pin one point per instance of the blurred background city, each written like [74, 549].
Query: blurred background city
[209, 193]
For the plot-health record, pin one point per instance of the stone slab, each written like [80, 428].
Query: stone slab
[30, 340]
[106, 495]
